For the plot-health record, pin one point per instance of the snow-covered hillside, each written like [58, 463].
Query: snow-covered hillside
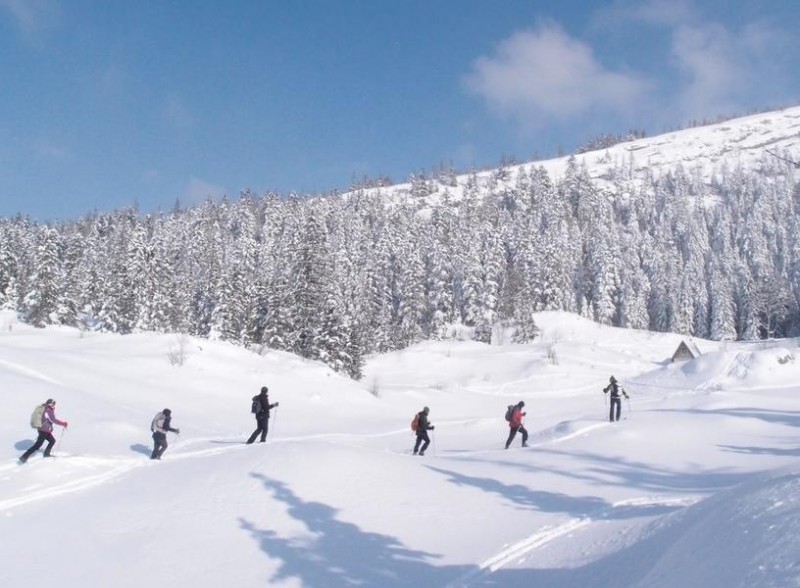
[751, 142]
[698, 485]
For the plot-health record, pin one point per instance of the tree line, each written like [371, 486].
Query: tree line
[339, 277]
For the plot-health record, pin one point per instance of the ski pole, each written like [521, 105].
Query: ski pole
[275, 422]
[60, 437]
[433, 438]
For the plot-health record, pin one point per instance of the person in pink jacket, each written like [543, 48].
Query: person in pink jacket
[515, 424]
[45, 431]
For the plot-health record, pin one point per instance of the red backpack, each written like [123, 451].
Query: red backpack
[415, 423]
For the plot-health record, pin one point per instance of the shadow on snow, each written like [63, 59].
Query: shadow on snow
[340, 554]
[781, 417]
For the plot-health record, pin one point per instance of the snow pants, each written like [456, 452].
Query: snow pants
[422, 439]
[262, 427]
[513, 433]
[159, 445]
[43, 436]
[615, 409]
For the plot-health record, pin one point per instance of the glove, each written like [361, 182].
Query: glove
[524, 413]
[66, 424]
[277, 404]
[177, 431]
[432, 427]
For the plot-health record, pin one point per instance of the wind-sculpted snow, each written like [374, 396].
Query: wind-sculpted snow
[747, 537]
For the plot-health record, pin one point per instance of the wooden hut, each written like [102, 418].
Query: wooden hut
[685, 352]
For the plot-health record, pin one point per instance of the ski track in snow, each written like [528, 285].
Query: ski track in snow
[105, 469]
[548, 437]
[29, 372]
[101, 470]
[518, 550]
[110, 469]
[549, 534]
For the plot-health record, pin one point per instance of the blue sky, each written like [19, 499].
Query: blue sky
[106, 104]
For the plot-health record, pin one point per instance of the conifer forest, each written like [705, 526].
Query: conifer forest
[334, 278]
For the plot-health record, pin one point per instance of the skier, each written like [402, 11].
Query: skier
[515, 424]
[616, 402]
[45, 430]
[262, 407]
[162, 423]
[423, 426]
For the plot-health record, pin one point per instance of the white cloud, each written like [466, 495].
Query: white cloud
[713, 68]
[706, 56]
[199, 190]
[542, 74]
[724, 71]
[32, 16]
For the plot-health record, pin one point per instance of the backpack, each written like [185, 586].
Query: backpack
[255, 407]
[155, 422]
[510, 412]
[415, 423]
[36, 417]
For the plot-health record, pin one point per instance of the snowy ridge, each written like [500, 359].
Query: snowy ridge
[744, 141]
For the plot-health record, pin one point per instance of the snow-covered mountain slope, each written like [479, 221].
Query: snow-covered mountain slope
[696, 486]
[751, 142]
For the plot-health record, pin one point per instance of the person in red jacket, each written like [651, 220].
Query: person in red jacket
[45, 431]
[515, 424]
[423, 426]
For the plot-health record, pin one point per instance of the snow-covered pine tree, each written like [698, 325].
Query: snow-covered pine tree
[41, 302]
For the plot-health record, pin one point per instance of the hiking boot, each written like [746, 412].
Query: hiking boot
[421, 453]
[524, 444]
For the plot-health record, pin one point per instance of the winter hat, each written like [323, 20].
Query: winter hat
[50, 402]
[426, 410]
[613, 379]
[264, 389]
[167, 412]
[521, 403]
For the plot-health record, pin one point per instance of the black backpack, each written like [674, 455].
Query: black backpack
[255, 407]
[510, 412]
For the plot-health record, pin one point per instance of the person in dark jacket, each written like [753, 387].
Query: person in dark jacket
[161, 425]
[423, 426]
[616, 402]
[515, 424]
[262, 415]
[45, 431]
